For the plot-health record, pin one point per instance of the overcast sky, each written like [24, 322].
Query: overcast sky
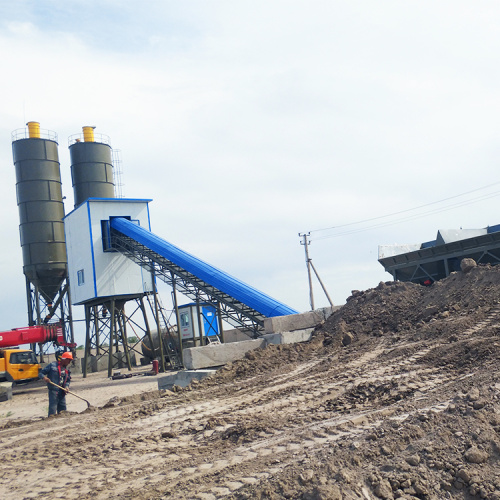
[249, 122]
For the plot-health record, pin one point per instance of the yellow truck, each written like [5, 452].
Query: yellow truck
[18, 365]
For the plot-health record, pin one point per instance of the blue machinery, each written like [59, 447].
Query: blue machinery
[239, 304]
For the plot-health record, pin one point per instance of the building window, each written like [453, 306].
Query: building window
[184, 319]
[81, 277]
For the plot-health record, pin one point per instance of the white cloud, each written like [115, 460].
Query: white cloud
[249, 122]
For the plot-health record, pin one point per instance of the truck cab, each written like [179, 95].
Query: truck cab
[18, 365]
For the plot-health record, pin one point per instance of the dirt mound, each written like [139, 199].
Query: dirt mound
[397, 310]
[396, 396]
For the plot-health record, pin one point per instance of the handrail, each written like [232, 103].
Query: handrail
[100, 138]
[23, 133]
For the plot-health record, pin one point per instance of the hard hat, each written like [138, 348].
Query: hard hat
[67, 355]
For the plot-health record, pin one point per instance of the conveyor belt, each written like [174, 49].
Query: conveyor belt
[240, 304]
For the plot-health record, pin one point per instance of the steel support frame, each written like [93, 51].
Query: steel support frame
[40, 311]
[107, 323]
[166, 341]
[483, 249]
[481, 255]
[233, 311]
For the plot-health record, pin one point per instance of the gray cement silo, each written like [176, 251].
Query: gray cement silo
[91, 167]
[41, 209]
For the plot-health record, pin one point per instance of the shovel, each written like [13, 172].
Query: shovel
[69, 392]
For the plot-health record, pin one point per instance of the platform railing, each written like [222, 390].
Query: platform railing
[23, 133]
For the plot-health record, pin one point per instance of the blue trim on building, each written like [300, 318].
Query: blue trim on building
[149, 218]
[115, 200]
[92, 248]
[121, 200]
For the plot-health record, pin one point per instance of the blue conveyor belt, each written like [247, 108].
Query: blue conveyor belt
[246, 294]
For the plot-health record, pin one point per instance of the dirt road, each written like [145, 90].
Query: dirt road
[408, 408]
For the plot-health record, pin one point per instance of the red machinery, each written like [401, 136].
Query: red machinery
[34, 335]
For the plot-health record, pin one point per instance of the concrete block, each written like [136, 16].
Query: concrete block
[182, 378]
[235, 335]
[76, 366]
[309, 319]
[220, 354]
[5, 391]
[119, 360]
[99, 364]
[133, 358]
[289, 337]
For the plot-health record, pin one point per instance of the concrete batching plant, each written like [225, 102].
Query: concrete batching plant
[113, 257]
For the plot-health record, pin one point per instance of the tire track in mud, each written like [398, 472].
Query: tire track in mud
[291, 408]
[289, 442]
[285, 448]
[486, 323]
[231, 407]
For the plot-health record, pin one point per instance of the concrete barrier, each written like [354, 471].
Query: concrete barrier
[235, 335]
[219, 354]
[182, 378]
[300, 321]
[289, 337]
[5, 391]
[99, 363]
[279, 330]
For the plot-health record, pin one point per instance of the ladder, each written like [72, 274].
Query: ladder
[213, 339]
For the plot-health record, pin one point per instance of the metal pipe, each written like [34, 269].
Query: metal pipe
[198, 313]
[70, 313]
[111, 337]
[122, 321]
[86, 356]
[219, 319]
[146, 324]
[177, 317]
[158, 323]
[96, 329]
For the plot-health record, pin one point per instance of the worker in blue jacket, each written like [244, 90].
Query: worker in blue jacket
[57, 373]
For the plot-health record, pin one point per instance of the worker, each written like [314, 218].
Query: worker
[58, 373]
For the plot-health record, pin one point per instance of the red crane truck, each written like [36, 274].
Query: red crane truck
[21, 365]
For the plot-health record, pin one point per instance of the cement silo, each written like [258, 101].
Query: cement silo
[91, 166]
[103, 296]
[41, 209]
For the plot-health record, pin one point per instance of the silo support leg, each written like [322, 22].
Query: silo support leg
[111, 337]
[123, 328]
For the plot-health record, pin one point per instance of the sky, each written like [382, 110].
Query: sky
[248, 123]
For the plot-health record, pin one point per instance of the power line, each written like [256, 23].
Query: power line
[415, 208]
[410, 217]
[406, 219]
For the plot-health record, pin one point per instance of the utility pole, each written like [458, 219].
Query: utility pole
[310, 265]
[306, 243]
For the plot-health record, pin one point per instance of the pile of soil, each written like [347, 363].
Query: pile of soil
[396, 396]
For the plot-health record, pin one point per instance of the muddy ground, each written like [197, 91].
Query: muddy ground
[396, 396]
